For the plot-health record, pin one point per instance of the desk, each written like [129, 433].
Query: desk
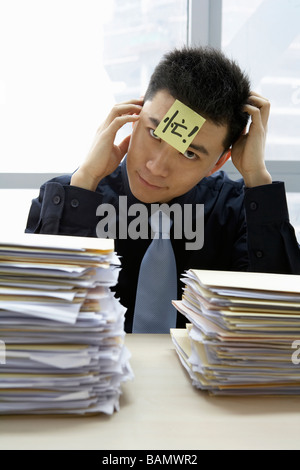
[160, 409]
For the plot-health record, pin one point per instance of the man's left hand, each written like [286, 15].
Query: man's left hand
[248, 151]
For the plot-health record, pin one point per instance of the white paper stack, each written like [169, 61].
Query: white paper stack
[62, 327]
[244, 332]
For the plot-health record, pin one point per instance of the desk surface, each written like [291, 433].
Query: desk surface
[160, 409]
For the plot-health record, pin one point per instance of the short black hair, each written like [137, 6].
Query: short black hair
[211, 84]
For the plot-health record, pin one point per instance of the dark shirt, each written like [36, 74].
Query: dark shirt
[244, 229]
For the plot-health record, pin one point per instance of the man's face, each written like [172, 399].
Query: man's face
[157, 172]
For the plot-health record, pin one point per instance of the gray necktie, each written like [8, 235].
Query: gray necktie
[157, 284]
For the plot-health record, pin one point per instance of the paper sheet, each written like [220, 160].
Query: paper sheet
[61, 325]
[241, 333]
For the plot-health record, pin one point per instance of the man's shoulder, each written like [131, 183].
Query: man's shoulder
[219, 184]
[215, 189]
[220, 193]
[220, 179]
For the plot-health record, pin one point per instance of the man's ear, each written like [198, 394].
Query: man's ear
[223, 159]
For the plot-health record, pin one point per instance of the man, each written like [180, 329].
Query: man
[246, 224]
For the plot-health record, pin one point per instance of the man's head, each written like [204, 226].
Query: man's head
[207, 82]
[212, 86]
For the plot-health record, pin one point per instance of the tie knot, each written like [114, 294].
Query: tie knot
[161, 224]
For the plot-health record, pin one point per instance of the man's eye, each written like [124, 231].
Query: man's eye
[152, 133]
[190, 155]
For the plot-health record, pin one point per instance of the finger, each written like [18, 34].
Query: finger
[139, 100]
[130, 108]
[255, 113]
[123, 146]
[118, 111]
[119, 122]
[259, 115]
[254, 93]
[127, 107]
[258, 101]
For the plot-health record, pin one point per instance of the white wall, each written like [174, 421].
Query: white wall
[14, 207]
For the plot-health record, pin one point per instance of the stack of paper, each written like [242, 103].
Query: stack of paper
[61, 328]
[244, 332]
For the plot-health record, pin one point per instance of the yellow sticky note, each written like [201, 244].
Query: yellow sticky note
[179, 126]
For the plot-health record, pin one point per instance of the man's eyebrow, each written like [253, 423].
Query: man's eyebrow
[199, 148]
[154, 121]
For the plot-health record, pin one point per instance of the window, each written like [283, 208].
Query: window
[264, 37]
[64, 63]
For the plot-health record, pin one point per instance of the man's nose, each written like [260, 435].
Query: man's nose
[161, 160]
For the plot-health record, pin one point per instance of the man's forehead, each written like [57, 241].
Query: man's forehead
[155, 109]
[178, 126]
[158, 105]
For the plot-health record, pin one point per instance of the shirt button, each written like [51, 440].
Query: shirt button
[253, 206]
[56, 200]
[259, 254]
[74, 203]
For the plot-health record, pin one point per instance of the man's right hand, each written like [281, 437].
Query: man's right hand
[104, 156]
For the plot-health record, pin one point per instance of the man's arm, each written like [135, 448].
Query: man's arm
[67, 205]
[248, 153]
[104, 156]
[61, 209]
[271, 240]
